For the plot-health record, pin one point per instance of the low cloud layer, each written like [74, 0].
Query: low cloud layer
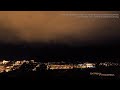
[47, 26]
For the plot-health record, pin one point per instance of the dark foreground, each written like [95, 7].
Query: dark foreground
[55, 75]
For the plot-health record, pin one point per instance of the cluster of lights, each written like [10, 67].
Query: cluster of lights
[107, 64]
[6, 66]
[70, 66]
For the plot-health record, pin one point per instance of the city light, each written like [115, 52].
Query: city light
[32, 65]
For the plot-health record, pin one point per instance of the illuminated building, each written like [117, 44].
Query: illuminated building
[60, 66]
[5, 62]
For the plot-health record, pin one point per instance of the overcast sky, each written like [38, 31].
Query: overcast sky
[58, 26]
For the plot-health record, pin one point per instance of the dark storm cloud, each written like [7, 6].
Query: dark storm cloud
[53, 26]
